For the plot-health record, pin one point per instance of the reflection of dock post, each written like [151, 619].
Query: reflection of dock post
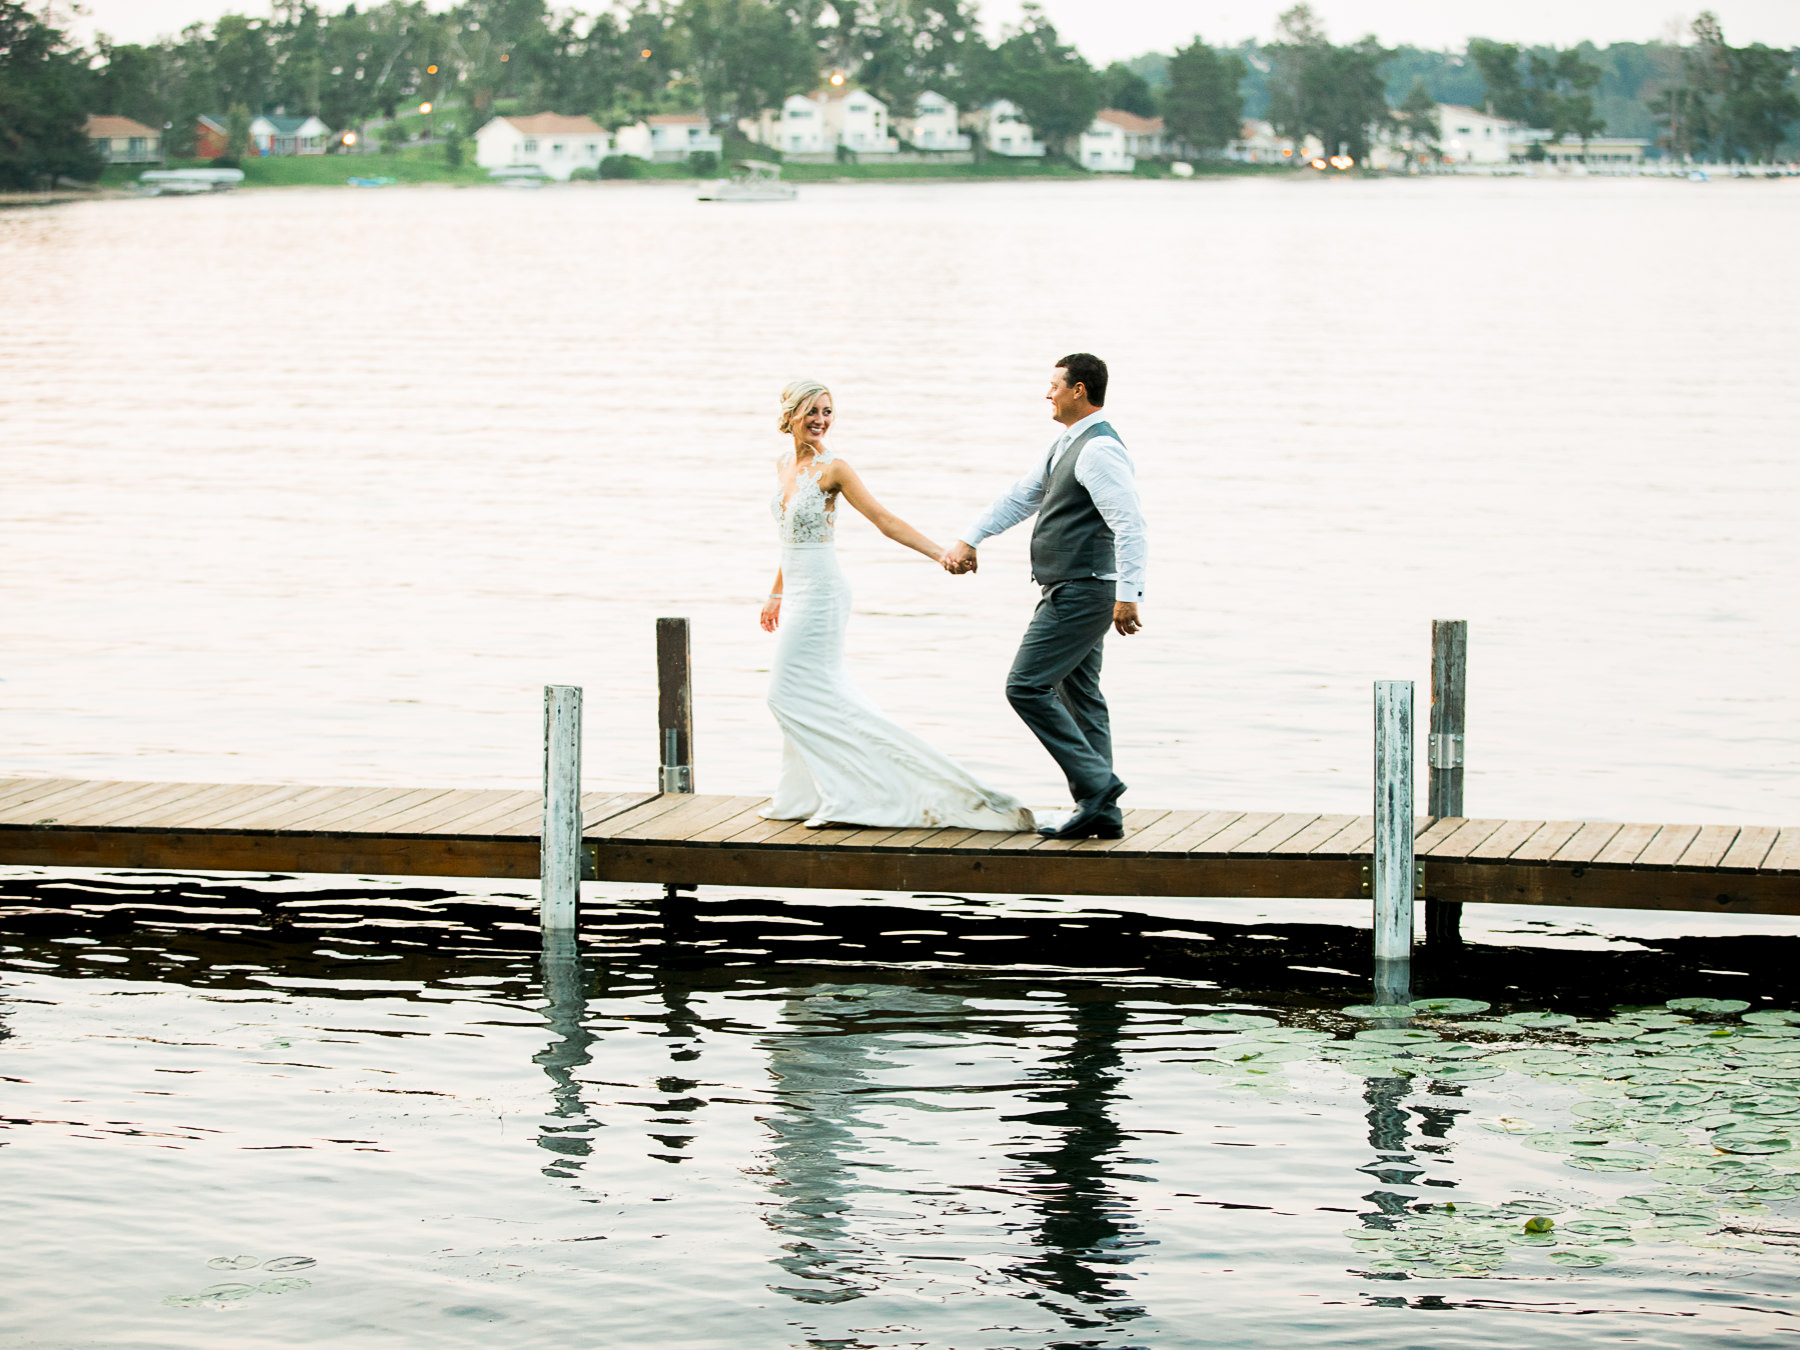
[1392, 878]
[559, 846]
[1444, 787]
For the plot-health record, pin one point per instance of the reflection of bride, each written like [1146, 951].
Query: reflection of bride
[842, 760]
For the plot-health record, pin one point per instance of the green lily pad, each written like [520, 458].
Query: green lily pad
[1289, 1036]
[1449, 1007]
[1532, 1207]
[1398, 1036]
[1745, 1142]
[1372, 1011]
[1543, 1021]
[1772, 1017]
[1462, 1072]
[1707, 1005]
[1459, 1050]
[1228, 1021]
[1612, 1160]
[1581, 1260]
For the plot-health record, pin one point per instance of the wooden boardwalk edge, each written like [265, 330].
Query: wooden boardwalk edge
[848, 867]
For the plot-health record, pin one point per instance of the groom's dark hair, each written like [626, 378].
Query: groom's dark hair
[1084, 368]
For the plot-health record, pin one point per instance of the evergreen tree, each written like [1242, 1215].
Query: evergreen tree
[1417, 119]
[42, 117]
[1123, 88]
[1056, 89]
[1319, 89]
[1203, 104]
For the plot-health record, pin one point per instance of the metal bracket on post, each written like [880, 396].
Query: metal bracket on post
[1368, 880]
[1446, 750]
[674, 776]
[559, 843]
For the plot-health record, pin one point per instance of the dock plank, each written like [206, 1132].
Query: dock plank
[1667, 845]
[24, 791]
[111, 802]
[1709, 846]
[1586, 843]
[1505, 841]
[1625, 846]
[1307, 841]
[1785, 856]
[78, 796]
[1356, 839]
[1277, 832]
[1470, 834]
[1546, 840]
[1748, 850]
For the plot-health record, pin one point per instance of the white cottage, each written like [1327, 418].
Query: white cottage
[933, 124]
[675, 136]
[1006, 131]
[556, 144]
[1467, 136]
[1116, 140]
[857, 120]
[798, 128]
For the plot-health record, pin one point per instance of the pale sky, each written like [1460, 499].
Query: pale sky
[1107, 30]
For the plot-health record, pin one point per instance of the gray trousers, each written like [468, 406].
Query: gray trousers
[1054, 684]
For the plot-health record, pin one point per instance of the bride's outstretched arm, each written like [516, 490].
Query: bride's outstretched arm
[771, 610]
[847, 481]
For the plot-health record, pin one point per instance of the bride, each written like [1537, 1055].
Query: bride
[842, 761]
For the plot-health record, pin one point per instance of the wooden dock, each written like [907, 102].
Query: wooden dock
[679, 837]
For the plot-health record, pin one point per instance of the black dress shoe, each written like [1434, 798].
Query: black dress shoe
[1094, 817]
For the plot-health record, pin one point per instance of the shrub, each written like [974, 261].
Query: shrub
[620, 166]
[703, 162]
[585, 175]
[226, 162]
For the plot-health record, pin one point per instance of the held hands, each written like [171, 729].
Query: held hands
[958, 559]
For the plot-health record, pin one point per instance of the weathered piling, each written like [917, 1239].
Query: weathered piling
[559, 842]
[674, 706]
[1392, 874]
[1444, 785]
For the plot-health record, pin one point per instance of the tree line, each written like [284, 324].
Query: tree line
[734, 58]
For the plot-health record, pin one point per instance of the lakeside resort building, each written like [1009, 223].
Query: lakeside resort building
[556, 144]
[815, 126]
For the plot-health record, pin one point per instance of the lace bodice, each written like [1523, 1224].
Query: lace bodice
[809, 515]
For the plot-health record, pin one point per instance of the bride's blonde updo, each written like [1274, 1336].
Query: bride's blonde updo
[796, 399]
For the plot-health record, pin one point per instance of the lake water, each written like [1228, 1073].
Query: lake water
[324, 486]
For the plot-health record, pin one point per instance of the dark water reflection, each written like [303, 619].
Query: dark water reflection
[950, 1122]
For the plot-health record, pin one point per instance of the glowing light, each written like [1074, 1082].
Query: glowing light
[837, 78]
[424, 107]
[506, 58]
[349, 138]
[1318, 164]
[645, 53]
[1287, 154]
[1342, 162]
[431, 70]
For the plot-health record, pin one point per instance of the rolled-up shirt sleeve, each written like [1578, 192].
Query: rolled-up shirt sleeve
[1017, 503]
[1105, 470]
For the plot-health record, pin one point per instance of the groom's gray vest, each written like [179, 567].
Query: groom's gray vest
[1072, 538]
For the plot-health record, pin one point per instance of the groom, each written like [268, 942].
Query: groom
[1088, 550]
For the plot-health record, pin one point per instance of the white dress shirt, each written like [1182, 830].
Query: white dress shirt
[1105, 470]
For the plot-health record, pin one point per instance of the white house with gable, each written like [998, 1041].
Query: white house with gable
[1116, 139]
[933, 125]
[1006, 132]
[556, 144]
[858, 121]
[675, 136]
[797, 128]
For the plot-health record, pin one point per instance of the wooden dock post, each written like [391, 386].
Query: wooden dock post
[1444, 757]
[1392, 874]
[559, 843]
[674, 706]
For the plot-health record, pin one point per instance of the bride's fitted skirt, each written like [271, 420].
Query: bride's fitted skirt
[842, 760]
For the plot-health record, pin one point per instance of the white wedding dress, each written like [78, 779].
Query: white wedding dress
[842, 760]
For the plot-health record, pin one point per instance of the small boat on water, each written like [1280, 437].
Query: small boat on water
[519, 176]
[371, 182]
[187, 182]
[751, 180]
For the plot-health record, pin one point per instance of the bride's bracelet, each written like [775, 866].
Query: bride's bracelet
[774, 595]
